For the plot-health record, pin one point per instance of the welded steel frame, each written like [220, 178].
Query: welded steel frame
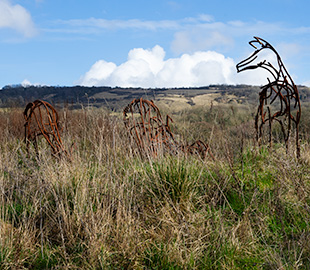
[280, 89]
[146, 127]
[151, 134]
[42, 120]
[199, 148]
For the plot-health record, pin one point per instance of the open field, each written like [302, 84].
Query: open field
[110, 208]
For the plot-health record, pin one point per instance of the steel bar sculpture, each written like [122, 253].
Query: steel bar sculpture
[201, 148]
[150, 133]
[42, 120]
[145, 125]
[279, 98]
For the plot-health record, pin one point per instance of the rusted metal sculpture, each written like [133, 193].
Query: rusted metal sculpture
[279, 99]
[145, 125]
[199, 147]
[42, 120]
[151, 134]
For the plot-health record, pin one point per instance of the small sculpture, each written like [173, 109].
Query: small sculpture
[42, 120]
[150, 133]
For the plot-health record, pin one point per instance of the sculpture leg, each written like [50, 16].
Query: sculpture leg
[297, 142]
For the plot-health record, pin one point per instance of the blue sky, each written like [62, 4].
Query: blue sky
[147, 43]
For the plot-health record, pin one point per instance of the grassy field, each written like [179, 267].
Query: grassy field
[110, 208]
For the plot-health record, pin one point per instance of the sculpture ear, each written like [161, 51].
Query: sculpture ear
[258, 42]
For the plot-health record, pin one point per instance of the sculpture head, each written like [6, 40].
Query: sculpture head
[254, 61]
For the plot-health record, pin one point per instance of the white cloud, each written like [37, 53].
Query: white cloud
[221, 36]
[289, 50]
[148, 68]
[100, 71]
[26, 83]
[307, 83]
[198, 39]
[96, 24]
[174, 5]
[16, 17]
[190, 34]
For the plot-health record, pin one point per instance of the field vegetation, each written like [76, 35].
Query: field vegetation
[107, 207]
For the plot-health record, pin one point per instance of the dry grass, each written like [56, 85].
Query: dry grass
[108, 208]
[173, 102]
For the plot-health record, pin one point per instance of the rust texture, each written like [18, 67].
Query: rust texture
[152, 134]
[201, 148]
[146, 127]
[42, 120]
[279, 99]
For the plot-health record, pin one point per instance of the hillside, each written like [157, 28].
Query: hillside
[116, 97]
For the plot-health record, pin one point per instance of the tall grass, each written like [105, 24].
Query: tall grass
[110, 208]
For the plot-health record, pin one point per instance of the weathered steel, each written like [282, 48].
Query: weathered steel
[151, 134]
[279, 99]
[201, 148]
[145, 125]
[42, 120]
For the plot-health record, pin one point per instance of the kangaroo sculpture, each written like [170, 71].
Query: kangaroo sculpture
[42, 120]
[149, 131]
[279, 98]
[146, 127]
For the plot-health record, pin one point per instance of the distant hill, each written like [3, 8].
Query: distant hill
[117, 97]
